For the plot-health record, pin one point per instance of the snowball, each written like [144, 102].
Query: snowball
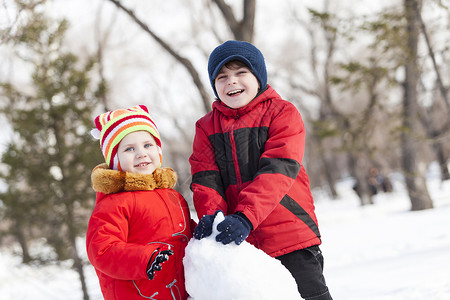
[217, 271]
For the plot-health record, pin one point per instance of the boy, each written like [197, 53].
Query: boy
[246, 162]
[140, 226]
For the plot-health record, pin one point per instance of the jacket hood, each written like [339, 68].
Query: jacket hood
[269, 93]
[107, 181]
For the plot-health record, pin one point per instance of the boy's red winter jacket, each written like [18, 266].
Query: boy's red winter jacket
[128, 224]
[249, 160]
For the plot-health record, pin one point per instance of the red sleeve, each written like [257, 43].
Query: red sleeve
[209, 195]
[106, 241]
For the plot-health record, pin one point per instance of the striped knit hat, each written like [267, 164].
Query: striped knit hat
[113, 126]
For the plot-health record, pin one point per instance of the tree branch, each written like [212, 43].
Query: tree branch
[184, 61]
[242, 30]
[442, 88]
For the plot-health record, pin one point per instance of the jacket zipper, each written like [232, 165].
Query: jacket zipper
[234, 152]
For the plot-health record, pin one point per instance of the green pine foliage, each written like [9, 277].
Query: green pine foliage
[47, 165]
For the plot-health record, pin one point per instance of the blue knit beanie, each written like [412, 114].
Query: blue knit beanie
[241, 51]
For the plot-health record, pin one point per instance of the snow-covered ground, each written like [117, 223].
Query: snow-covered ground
[381, 252]
[386, 251]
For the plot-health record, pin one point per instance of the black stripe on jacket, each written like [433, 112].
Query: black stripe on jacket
[300, 213]
[249, 144]
[286, 166]
[209, 179]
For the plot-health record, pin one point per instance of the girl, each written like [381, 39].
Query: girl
[140, 226]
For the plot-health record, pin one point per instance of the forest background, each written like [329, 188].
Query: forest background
[370, 78]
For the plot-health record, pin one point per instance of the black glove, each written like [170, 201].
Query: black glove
[156, 260]
[235, 227]
[204, 227]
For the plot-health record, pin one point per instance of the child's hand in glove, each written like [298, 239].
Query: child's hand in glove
[235, 227]
[204, 227]
[157, 258]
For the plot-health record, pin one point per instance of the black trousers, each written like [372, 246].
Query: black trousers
[306, 266]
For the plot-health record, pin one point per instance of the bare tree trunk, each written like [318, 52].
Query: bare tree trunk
[442, 160]
[359, 172]
[242, 30]
[437, 145]
[77, 262]
[78, 265]
[20, 236]
[69, 215]
[325, 167]
[327, 170]
[415, 178]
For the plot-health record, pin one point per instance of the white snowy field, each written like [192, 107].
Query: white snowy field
[381, 252]
[386, 251]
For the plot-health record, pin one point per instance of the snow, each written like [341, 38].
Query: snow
[386, 251]
[383, 252]
[234, 272]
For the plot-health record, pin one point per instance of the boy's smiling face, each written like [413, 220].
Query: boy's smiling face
[236, 85]
[138, 153]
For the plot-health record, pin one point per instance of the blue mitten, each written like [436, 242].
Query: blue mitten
[204, 227]
[235, 227]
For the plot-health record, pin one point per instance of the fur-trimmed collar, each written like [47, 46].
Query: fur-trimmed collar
[109, 181]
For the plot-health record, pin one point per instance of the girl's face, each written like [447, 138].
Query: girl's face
[236, 85]
[138, 153]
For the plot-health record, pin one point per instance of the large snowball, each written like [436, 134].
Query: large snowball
[216, 271]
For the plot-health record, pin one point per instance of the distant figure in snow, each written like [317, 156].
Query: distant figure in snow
[224, 272]
[378, 182]
[140, 226]
[247, 162]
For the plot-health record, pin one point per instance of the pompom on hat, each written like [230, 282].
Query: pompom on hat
[240, 51]
[113, 126]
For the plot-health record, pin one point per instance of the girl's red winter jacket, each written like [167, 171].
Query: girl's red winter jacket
[128, 225]
[249, 160]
